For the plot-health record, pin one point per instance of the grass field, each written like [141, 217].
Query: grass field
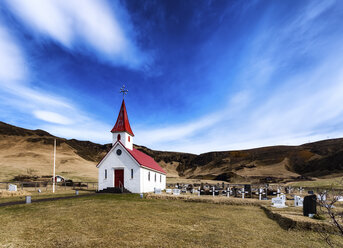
[334, 182]
[128, 221]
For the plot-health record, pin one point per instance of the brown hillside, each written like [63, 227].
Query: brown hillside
[24, 151]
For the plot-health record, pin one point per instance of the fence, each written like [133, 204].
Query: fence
[48, 186]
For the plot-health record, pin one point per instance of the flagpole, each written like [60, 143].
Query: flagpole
[53, 180]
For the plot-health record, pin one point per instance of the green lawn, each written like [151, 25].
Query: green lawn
[128, 221]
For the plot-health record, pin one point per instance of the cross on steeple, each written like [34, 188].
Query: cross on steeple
[123, 91]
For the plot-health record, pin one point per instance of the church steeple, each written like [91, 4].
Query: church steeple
[122, 130]
[122, 124]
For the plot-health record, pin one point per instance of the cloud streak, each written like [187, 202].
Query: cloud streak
[78, 23]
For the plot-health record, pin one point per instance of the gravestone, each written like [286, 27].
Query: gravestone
[310, 192]
[339, 198]
[12, 187]
[28, 199]
[260, 191]
[278, 202]
[247, 188]
[176, 191]
[157, 191]
[168, 191]
[298, 201]
[310, 205]
[321, 197]
[283, 196]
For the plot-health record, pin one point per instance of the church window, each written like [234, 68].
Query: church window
[149, 176]
[118, 152]
[118, 137]
[160, 178]
[155, 177]
[128, 138]
[131, 173]
[105, 174]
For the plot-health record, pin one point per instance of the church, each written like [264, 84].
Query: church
[126, 168]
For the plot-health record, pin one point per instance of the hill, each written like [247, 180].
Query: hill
[24, 151]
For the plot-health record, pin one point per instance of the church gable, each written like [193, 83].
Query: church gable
[119, 156]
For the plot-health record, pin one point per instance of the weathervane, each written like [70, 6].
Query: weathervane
[123, 91]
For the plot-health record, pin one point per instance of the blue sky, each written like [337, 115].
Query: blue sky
[201, 75]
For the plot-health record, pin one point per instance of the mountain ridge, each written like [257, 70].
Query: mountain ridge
[265, 164]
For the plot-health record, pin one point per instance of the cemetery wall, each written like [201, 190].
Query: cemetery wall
[287, 221]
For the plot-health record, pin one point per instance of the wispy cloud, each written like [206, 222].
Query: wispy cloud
[17, 95]
[84, 26]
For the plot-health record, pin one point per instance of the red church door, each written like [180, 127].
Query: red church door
[118, 177]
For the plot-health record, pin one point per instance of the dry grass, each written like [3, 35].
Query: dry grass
[127, 221]
[333, 182]
[20, 195]
[19, 156]
[11, 194]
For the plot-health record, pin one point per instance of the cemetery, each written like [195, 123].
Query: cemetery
[291, 207]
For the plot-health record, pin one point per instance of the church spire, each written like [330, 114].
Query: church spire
[122, 124]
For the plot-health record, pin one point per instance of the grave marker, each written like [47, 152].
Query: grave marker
[12, 187]
[298, 201]
[260, 194]
[168, 191]
[157, 191]
[310, 205]
[176, 191]
[279, 202]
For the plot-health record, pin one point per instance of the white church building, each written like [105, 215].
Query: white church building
[125, 167]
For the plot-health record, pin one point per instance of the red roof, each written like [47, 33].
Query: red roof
[122, 124]
[141, 158]
[145, 160]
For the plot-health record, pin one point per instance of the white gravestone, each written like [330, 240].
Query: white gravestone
[12, 187]
[243, 193]
[321, 197]
[168, 191]
[158, 191]
[278, 202]
[282, 196]
[298, 201]
[176, 191]
[339, 198]
[260, 194]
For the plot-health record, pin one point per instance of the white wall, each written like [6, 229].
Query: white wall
[149, 186]
[124, 161]
[123, 139]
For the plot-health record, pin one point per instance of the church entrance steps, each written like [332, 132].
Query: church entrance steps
[114, 190]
